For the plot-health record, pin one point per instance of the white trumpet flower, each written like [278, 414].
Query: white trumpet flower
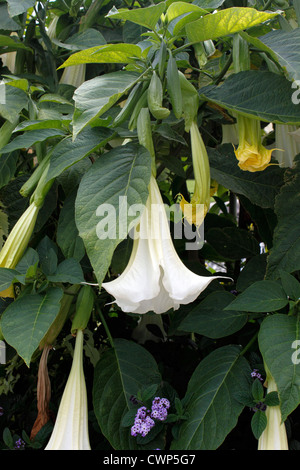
[288, 141]
[155, 278]
[274, 436]
[71, 426]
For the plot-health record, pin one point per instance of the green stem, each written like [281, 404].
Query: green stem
[105, 325]
[248, 346]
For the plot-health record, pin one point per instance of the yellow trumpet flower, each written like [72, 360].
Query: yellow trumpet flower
[251, 154]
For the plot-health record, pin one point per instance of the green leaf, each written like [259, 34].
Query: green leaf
[99, 94]
[250, 94]
[6, 22]
[290, 285]
[213, 410]
[8, 165]
[279, 340]
[285, 253]
[262, 296]
[11, 43]
[260, 187]
[83, 40]
[7, 276]
[30, 138]
[29, 260]
[272, 399]
[107, 53]
[12, 102]
[32, 125]
[146, 16]
[123, 173]
[67, 236]
[180, 13]
[27, 319]
[258, 423]
[209, 319]
[47, 252]
[283, 47]
[17, 7]
[68, 151]
[68, 270]
[233, 243]
[225, 22]
[119, 374]
[257, 390]
[253, 271]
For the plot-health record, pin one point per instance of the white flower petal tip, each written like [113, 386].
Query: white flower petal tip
[70, 431]
[155, 278]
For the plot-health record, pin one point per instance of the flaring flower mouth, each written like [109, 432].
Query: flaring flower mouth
[155, 278]
[252, 158]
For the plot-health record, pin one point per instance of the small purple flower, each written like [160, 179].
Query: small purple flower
[19, 444]
[256, 375]
[1, 411]
[144, 419]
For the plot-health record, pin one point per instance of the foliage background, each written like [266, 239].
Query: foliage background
[253, 224]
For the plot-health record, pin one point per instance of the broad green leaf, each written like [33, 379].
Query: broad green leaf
[180, 13]
[250, 94]
[27, 320]
[42, 124]
[67, 236]
[8, 164]
[6, 22]
[209, 318]
[253, 271]
[279, 340]
[233, 243]
[108, 53]
[83, 40]
[291, 285]
[209, 4]
[12, 101]
[116, 181]
[68, 270]
[7, 276]
[260, 187]
[225, 22]
[69, 151]
[30, 138]
[283, 47]
[147, 16]
[17, 7]
[285, 253]
[262, 296]
[11, 43]
[120, 373]
[99, 94]
[47, 251]
[29, 259]
[258, 423]
[213, 410]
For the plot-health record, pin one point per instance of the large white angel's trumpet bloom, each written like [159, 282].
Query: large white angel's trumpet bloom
[71, 426]
[155, 278]
[274, 436]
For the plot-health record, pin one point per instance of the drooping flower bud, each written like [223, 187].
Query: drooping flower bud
[71, 426]
[195, 212]
[274, 436]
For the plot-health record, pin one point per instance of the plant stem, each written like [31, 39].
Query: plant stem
[105, 325]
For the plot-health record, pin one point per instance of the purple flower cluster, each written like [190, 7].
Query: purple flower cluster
[144, 419]
[19, 444]
[256, 375]
[1, 411]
